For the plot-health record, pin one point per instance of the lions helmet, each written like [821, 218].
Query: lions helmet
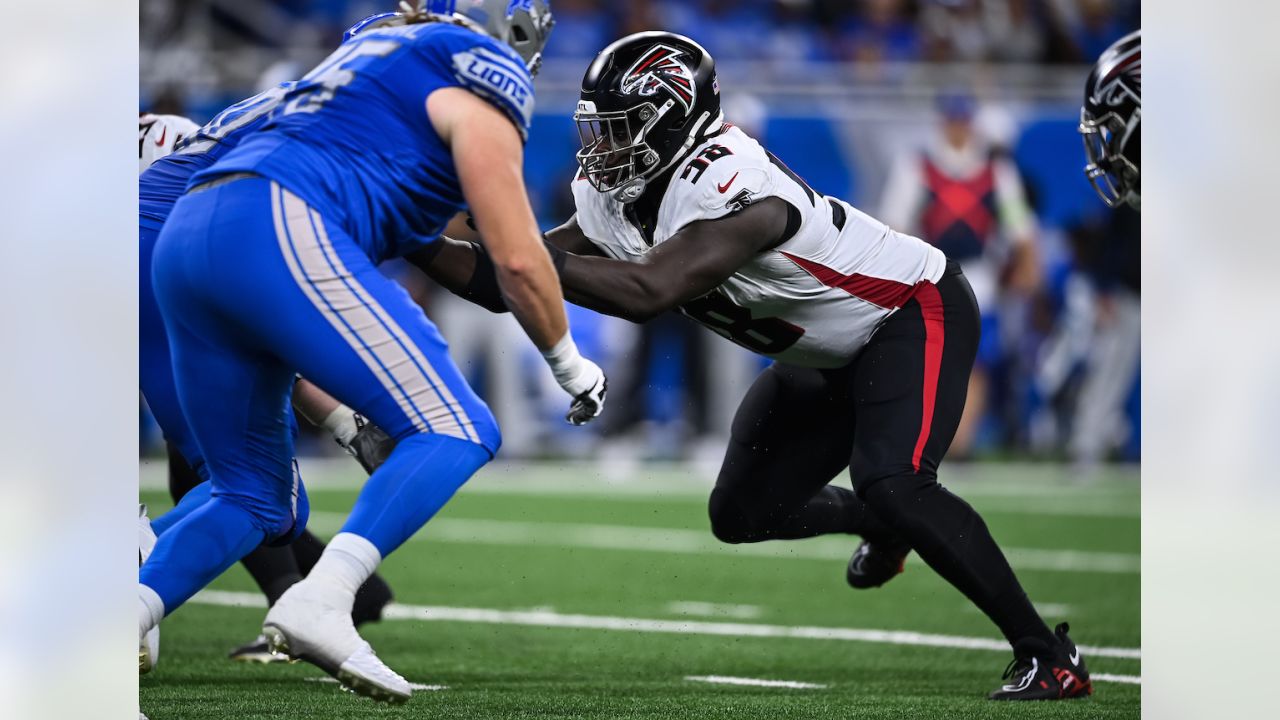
[1110, 122]
[525, 25]
[647, 100]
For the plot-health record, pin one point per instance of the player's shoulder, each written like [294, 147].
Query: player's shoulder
[727, 172]
[485, 66]
[158, 135]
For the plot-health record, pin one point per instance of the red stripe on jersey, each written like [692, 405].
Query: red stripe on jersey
[888, 294]
[934, 340]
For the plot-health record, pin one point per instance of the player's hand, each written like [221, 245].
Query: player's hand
[582, 379]
[588, 404]
[370, 446]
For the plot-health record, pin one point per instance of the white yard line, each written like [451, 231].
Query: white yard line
[412, 686]
[429, 613]
[1125, 679]
[754, 682]
[709, 609]
[701, 542]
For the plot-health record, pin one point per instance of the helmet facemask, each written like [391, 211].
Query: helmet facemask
[1114, 176]
[615, 157]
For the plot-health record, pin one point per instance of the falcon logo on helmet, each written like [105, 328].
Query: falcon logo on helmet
[1123, 82]
[661, 67]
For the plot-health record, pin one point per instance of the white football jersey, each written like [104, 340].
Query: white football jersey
[158, 135]
[813, 300]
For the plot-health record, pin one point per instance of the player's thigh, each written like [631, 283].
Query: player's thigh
[236, 401]
[792, 435]
[357, 334]
[910, 383]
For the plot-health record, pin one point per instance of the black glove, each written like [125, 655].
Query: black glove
[371, 446]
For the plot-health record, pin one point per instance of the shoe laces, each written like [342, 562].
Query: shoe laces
[1018, 667]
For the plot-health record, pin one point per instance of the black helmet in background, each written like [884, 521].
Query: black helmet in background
[647, 100]
[1110, 122]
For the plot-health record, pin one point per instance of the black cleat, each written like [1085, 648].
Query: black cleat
[1039, 672]
[874, 564]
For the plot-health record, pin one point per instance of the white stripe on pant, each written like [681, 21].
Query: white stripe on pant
[369, 330]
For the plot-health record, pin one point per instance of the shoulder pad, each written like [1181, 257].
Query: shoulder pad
[719, 179]
[495, 73]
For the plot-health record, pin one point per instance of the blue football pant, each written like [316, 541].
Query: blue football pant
[254, 286]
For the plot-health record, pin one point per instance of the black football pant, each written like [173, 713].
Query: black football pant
[888, 417]
[276, 569]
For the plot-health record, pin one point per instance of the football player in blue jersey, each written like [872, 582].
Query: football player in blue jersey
[267, 267]
[171, 150]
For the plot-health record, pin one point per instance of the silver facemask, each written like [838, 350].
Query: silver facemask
[1113, 176]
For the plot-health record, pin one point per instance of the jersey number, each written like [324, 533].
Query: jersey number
[337, 71]
[235, 117]
[700, 164]
[767, 336]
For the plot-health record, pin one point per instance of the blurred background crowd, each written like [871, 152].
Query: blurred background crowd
[953, 120]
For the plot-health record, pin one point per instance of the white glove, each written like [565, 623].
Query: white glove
[581, 378]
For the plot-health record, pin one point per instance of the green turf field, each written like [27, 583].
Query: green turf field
[550, 592]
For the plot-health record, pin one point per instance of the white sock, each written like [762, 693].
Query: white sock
[346, 563]
[150, 610]
[342, 424]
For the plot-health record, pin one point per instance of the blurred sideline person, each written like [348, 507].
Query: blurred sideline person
[274, 569]
[872, 332]
[268, 267]
[965, 197]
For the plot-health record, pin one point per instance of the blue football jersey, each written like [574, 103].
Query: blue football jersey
[354, 141]
[161, 184]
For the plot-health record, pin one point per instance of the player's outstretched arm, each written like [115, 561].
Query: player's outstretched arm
[465, 269]
[691, 263]
[488, 156]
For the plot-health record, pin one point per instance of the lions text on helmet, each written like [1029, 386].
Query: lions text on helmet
[647, 100]
[1110, 123]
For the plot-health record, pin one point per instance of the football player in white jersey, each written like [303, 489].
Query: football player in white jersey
[873, 333]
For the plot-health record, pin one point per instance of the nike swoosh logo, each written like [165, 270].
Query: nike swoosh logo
[725, 187]
[163, 132]
[1075, 657]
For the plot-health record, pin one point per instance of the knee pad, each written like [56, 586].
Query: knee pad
[729, 521]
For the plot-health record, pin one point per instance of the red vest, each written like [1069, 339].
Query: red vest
[959, 214]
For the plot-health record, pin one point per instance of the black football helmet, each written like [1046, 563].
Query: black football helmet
[1110, 122]
[647, 100]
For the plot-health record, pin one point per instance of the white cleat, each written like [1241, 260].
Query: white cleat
[304, 625]
[149, 648]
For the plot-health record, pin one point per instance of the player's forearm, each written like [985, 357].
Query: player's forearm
[613, 287]
[313, 403]
[532, 292]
